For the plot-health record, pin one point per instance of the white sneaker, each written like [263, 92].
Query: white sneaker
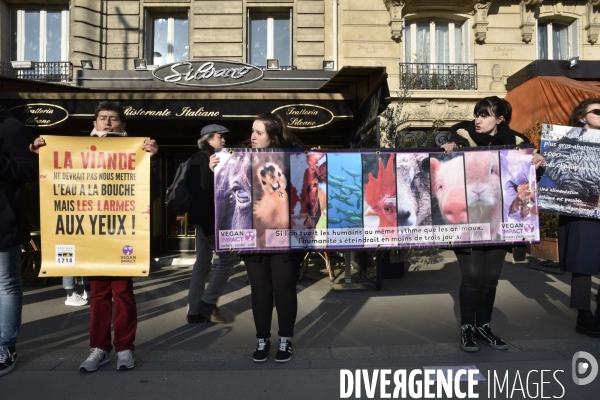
[75, 300]
[86, 295]
[125, 360]
[96, 358]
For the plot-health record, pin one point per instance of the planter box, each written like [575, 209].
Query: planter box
[547, 248]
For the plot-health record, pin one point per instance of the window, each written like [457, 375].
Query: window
[40, 34]
[269, 36]
[436, 42]
[557, 41]
[169, 39]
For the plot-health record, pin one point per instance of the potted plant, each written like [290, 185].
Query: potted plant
[548, 246]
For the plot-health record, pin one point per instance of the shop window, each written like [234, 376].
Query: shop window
[168, 39]
[557, 41]
[269, 36]
[441, 42]
[40, 34]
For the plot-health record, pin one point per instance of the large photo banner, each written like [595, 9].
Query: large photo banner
[94, 207]
[274, 200]
[571, 182]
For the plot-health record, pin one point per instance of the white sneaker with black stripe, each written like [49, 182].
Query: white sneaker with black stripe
[125, 360]
[97, 358]
[284, 353]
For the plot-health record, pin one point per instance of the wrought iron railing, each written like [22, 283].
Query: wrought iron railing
[421, 76]
[61, 71]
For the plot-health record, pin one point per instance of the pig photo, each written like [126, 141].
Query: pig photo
[484, 190]
[448, 189]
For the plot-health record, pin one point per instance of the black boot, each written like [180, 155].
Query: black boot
[587, 324]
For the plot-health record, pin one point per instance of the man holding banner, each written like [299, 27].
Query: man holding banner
[17, 166]
[109, 121]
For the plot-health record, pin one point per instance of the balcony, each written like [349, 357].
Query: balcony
[421, 76]
[40, 71]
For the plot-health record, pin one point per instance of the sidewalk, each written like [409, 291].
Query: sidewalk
[413, 322]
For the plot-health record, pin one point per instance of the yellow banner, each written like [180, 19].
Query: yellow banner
[94, 206]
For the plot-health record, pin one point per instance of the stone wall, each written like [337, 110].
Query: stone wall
[87, 33]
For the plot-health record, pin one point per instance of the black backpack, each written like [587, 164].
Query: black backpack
[178, 197]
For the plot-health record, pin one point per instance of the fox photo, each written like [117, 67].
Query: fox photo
[308, 191]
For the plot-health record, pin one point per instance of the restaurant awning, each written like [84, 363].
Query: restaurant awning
[323, 107]
[548, 99]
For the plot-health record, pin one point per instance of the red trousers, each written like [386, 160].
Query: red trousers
[105, 289]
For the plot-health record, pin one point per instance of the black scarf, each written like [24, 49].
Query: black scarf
[504, 135]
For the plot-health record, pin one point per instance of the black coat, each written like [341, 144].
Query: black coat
[18, 165]
[200, 183]
[578, 246]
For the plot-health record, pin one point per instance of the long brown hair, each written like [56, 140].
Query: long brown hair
[277, 132]
[580, 111]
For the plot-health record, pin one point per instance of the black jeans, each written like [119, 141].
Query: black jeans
[480, 270]
[273, 275]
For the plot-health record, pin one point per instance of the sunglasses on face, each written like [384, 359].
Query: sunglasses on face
[109, 103]
[595, 111]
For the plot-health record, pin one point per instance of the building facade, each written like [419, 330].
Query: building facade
[446, 54]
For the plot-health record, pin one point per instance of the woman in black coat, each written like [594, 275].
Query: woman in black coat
[481, 266]
[272, 276]
[578, 248]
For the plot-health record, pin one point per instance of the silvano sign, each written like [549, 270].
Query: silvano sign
[40, 115]
[305, 116]
[203, 73]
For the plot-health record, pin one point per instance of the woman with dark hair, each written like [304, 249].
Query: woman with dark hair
[481, 266]
[578, 241]
[272, 276]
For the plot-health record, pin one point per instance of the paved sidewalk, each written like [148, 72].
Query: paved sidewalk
[410, 324]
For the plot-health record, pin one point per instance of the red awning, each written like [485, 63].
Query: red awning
[548, 99]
